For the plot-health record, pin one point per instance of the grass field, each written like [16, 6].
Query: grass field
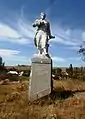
[66, 102]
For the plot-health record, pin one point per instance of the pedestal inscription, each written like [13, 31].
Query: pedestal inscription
[40, 79]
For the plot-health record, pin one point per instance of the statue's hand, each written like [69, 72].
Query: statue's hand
[33, 25]
[52, 37]
[42, 23]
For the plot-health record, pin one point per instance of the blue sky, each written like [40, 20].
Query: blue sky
[67, 18]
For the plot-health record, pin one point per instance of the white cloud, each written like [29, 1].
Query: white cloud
[74, 58]
[25, 33]
[13, 57]
[8, 52]
[63, 41]
[67, 36]
[6, 31]
[83, 36]
[25, 28]
[76, 48]
[22, 35]
[58, 59]
[15, 60]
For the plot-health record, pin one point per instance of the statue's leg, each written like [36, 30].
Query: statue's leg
[38, 42]
[38, 50]
[43, 51]
[44, 44]
[47, 46]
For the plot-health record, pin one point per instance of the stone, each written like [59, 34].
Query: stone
[40, 83]
[40, 78]
[5, 82]
[43, 34]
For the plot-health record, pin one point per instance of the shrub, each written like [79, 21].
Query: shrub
[3, 76]
[82, 77]
[23, 78]
[13, 77]
[26, 73]
[54, 70]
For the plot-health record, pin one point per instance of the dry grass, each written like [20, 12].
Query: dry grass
[20, 68]
[66, 102]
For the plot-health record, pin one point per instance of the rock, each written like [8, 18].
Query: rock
[5, 82]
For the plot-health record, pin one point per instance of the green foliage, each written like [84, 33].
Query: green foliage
[70, 71]
[3, 76]
[13, 77]
[0, 61]
[26, 73]
[54, 70]
[23, 78]
[59, 71]
[3, 68]
[12, 69]
[82, 77]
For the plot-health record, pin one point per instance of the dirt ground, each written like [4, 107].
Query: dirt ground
[66, 102]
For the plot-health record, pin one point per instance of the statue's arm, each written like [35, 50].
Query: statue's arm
[36, 23]
[49, 32]
[48, 29]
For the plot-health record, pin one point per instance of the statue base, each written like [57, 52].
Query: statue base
[40, 83]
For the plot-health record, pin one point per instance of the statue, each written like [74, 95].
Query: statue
[43, 34]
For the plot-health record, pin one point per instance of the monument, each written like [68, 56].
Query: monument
[40, 83]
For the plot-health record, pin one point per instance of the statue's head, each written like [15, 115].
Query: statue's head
[42, 15]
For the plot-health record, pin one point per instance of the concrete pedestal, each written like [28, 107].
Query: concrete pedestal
[40, 77]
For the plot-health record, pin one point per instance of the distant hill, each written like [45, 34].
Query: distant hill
[20, 67]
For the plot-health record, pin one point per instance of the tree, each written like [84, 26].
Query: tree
[70, 71]
[76, 73]
[81, 70]
[81, 51]
[1, 61]
[54, 70]
[59, 71]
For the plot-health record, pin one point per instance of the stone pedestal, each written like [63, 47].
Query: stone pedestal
[40, 83]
